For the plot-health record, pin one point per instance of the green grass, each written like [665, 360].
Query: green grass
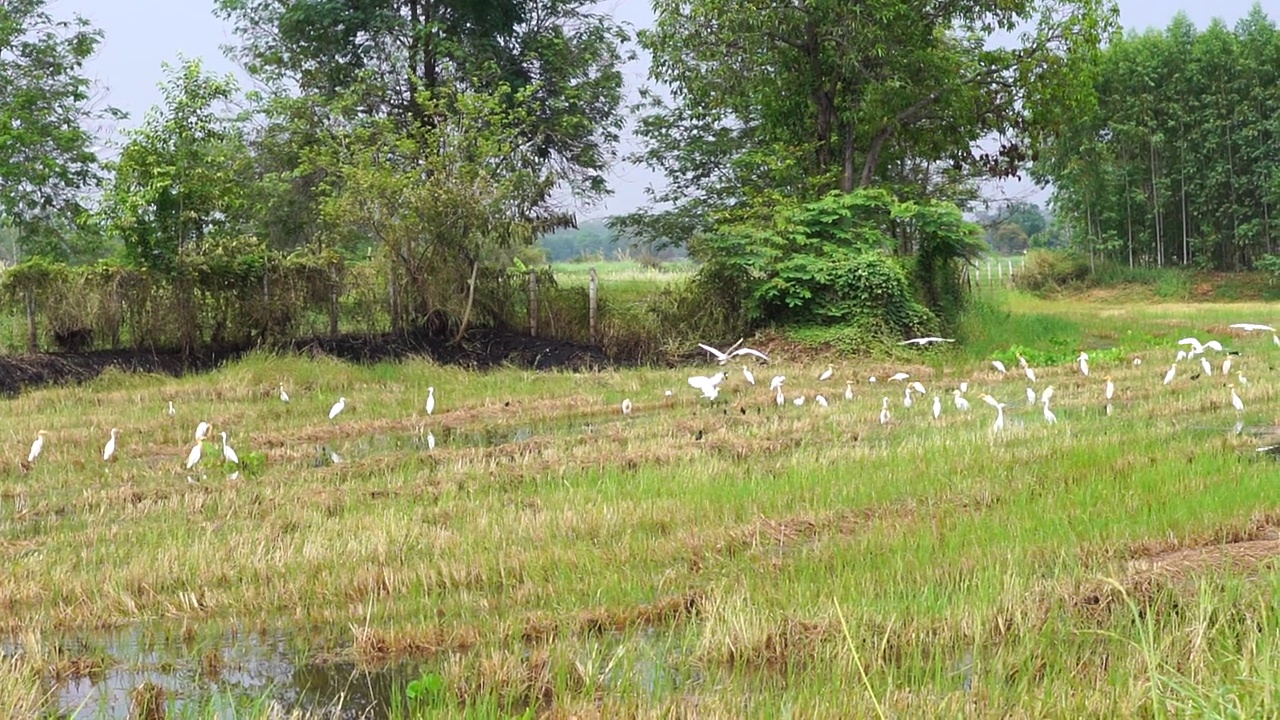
[689, 559]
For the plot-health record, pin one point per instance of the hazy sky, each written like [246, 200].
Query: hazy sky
[142, 34]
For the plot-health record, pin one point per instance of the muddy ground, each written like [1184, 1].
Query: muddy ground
[482, 348]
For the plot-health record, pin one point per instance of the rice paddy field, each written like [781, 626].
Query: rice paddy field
[529, 551]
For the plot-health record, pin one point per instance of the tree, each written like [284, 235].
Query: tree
[795, 99]
[181, 177]
[47, 162]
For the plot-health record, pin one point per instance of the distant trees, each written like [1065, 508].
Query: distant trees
[1179, 160]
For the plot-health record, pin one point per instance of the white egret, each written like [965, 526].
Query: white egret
[708, 385]
[1182, 355]
[284, 396]
[776, 382]
[626, 406]
[1236, 402]
[937, 407]
[1022, 362]
[1083, 361]
[431, 443]
[961, 404]
[228, 454]
[964, 386]
[820, 400]
[1031, 396]
[898, 377]
[724, 357]
[36, 446]
[884, 411]
[1108, 409]
[193, 457]
[848, 390]
[999, 366]
[109, 451]
[1137, 361]
[1204, 365]
[1198, 347]
[871, 379]
[1241, 378]
[1251, 327]
[431, 400]
[915, 385]
[337, 407]
[1049, 417]
[711, 392]
[202, 430]
[906, 400]
[798, 401]
[171, 410]
[1111, 389]
[1047, 394]
[1168, 377]
[1275, 338]
[779, 398]
[999, 406]
[1031, 374]
[826, 374]
[1226, 366]
[747, 374]
[926, 340]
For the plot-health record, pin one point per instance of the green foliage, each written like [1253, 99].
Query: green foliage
[1046, 271]
[826, 262]
[46, 162]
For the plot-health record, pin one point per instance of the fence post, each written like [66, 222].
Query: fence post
[29, 299]
[533, 303]
[591, 306]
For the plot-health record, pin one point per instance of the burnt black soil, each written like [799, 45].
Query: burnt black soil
[481, 349]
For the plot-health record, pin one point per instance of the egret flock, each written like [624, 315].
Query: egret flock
[1189, 350]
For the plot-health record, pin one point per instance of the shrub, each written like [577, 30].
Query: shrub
[1047, 271]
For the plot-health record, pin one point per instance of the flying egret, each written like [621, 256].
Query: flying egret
[193, 457]
[1236, 402]
[915, 385]
[747, 374]
[431, 400]
[36, 446]
[711, 392]
[1168, 377]
[926, 340]
[848, 390]
[937, 407]
[1251, 327]
[961, 404]
[1083, 361]
[1204, 364]
[1198, 347]
[798, 401]
[776, 382]
[898, 377]
[999, 366]
[284, 396]
[172, 411]
[884, 411]
[337, 407]
[724, 357]
[227, 453]
[708, 385]
[1226, 366]
[820, 400]
[626, 406]
[109, 451]
[202, 430]
[826, 374]
[1031, 396]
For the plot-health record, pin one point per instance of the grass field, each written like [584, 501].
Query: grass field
[550, 556]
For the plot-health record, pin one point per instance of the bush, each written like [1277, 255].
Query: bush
[1047, 271]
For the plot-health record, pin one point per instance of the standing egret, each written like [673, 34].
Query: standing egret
[915, 385]
[171, 410]
[1083, 361]
[798, 401]
[109, 451]
[1168, 377]
[1275, 339]
[899, 376]
[999, 366]
[1031, 396]
[36, 446]
[999, 406]
[1182, 355]
[1137, 361]
[1240, 376]
[202, 430]
[961, 404]
[937, 407]
[779, 398]
[284, 396]
[826, 374]
[626, 406]
[431, 400]
[431, 440]
[747, 374]
[1022, 362]
[776, 382]
[871, 379]
[1204, 364]
[1111, 389]
[1226, 366]
[1236, 402]
[193, 457]
[820, 400]
[227, 453]
[1031, 374]
[848, 390]
[906, 399]
[337, 407]
[1049, 417]
[884, 411]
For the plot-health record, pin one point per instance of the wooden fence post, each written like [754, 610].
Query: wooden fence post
[29, 299]
[592, 290]
[533, 303]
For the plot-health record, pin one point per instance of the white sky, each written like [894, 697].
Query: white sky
[141, 34]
